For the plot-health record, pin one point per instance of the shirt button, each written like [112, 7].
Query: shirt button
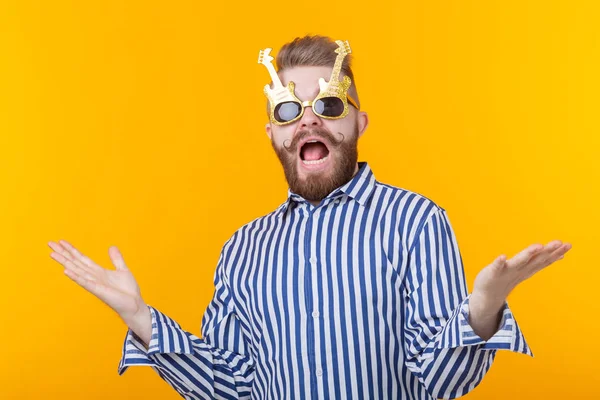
[313, 260]
[315, 314]
[319, 372]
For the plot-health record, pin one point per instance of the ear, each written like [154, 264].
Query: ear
[363, 122]
[268, 129]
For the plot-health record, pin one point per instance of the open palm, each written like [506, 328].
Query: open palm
[499, 278]
[117, 288]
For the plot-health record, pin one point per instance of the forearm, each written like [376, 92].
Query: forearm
[207, 373]
[450, 373]
[455, 353]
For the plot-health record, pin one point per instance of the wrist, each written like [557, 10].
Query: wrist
[485, 314]
[484, 305]
[141, 324]
[139, 317]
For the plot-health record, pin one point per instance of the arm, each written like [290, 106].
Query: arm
[219, 365]
[443, 350]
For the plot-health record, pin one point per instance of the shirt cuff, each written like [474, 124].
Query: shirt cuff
[507, 337]
[458, 332]
[167, 337]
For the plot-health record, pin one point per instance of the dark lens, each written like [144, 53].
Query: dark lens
[329, 107]
[287, 111]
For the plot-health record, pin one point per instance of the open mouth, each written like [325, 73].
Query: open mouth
[314, 152]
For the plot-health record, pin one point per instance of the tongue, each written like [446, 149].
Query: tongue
[314, 151]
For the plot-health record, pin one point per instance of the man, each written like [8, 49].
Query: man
[350, 289]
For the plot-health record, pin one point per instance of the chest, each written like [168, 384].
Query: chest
[318, 265]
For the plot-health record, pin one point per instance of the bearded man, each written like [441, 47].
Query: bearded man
[351, 288]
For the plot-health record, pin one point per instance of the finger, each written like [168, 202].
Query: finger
[68, 264]
[549, 248]
[534, 254]
[61, 250]
[69, 256]
[568, 246]
[499, 262]
[78, 255]
[544, 254]
[553, 245]
[554, 250]
[524, 256]
[559, 253]
[117, 258]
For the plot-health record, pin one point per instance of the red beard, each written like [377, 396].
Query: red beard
[344, 156]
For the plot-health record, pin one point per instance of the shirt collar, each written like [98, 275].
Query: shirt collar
[359, 188]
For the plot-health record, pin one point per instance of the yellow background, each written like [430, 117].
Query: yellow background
[141, 124]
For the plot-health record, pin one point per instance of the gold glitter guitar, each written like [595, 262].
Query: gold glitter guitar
[279, 93]
[335, 87]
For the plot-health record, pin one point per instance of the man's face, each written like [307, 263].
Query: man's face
[318, 155]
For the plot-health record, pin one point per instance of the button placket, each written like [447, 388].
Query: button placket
[311, 263]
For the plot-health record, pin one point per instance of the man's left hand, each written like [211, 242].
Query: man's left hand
[494, 283]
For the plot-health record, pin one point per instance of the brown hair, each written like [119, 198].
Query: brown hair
[316, 51]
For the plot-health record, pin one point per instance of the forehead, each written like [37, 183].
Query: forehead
[306, 79]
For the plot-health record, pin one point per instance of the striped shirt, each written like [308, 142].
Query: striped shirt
[361, 297]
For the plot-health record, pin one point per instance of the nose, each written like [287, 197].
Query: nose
[309, 119]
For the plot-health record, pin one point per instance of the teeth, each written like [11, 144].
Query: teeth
[314, 162]
[312, 141]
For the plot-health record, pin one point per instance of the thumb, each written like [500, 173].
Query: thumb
[117, 258]
[499, 261]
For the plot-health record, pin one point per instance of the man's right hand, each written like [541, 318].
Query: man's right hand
[117, 288]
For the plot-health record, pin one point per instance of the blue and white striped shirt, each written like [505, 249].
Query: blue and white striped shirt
[363, 297]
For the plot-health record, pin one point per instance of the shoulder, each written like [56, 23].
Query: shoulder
[241, 240]
[408, 210]
[405, 200]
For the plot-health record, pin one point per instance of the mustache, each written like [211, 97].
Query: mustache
[322, 134]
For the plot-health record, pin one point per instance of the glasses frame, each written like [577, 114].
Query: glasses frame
[309, 103]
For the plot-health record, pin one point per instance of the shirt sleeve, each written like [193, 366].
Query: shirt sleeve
[217, 366]
[442, 349]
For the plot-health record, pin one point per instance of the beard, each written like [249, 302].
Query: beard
[315, 186]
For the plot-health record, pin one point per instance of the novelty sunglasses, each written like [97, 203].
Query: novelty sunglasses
[331, 107]
[331, 102]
